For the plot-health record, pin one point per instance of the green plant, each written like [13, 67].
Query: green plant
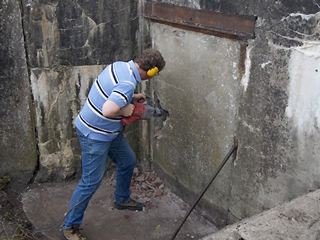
[157, 228]
[4, 181]
[7, 215]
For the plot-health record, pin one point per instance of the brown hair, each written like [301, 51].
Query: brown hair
[150, 58]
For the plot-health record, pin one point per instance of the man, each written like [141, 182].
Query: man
[100, 134]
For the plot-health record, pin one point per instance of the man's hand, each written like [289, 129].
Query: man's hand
[141, 97]
[127, 111]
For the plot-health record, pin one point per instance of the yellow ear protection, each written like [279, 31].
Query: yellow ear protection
[152, 72]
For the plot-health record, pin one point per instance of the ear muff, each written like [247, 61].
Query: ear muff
[153, 71]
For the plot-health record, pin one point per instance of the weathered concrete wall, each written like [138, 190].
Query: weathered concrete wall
[297, 219]
[281, 157]
[63, 39]
[75, 33]
[18, 148]
[55, 111]
[272, 109]
[278, 158]
[51, 51]
[199, 89]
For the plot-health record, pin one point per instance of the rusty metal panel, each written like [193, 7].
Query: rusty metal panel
[224, 25]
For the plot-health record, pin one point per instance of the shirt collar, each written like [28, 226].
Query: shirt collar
[135, 71]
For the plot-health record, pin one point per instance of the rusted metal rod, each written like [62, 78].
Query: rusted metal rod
[224, 161]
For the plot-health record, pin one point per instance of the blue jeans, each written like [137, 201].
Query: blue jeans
[94, 160]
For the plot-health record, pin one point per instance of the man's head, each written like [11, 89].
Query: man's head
[150, 63]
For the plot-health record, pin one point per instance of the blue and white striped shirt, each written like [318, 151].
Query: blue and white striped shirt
[117, 83]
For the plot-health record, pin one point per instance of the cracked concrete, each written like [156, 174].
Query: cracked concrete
[55, 111]
[298, 219]
[45, 205]
[273, 165]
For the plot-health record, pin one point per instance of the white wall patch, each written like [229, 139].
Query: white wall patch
[304, 88]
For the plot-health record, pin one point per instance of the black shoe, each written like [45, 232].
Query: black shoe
[131, 205]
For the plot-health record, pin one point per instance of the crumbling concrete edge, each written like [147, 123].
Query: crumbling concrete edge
[297, 219]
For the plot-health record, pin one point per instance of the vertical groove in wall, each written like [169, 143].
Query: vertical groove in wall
[31, 98]
[145, 127]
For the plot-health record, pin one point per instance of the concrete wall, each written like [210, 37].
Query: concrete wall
[272, 108]
[51, 51]
[199, 89]
[18, 148]
[55, 111]
[68, 44]
[55, 49]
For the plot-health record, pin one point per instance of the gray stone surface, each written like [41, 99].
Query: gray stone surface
[298, 219]
[46, 204]
[74, 33]
[272, 107]
[199, 90]
[68, 44]
[47, 48]
[18, 142]
[55, 110]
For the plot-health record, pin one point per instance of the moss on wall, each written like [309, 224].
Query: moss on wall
[269, 107]
[18, 142]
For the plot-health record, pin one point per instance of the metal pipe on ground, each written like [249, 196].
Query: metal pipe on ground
[223, 162]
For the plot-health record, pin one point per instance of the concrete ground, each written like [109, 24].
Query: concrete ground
[296, 220]
[45, 205]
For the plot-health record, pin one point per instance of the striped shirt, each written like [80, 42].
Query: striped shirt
[117, 83]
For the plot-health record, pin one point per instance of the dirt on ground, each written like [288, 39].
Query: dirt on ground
[29, 211]
[14, 225]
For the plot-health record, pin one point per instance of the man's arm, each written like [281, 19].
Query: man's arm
[111, 109]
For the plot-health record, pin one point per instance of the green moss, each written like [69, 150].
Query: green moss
[4, 181]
